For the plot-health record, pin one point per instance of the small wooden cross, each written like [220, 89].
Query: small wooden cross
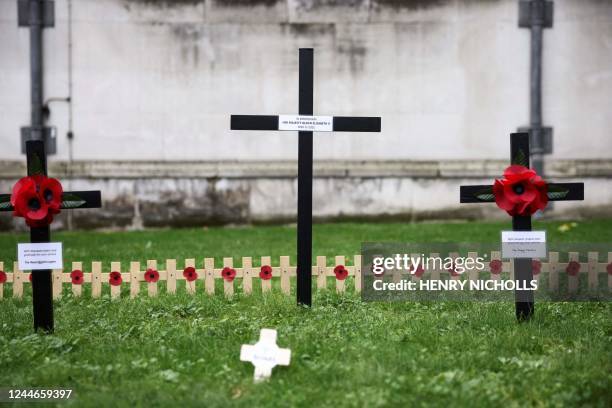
[42, 293]
[305, 124]
[265, 354]
[519, 154]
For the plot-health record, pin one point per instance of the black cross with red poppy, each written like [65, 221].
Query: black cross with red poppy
[519, 155]
[35, 202]
[305, 130]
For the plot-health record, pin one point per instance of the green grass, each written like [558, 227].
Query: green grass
[328, 239]
[180, 349]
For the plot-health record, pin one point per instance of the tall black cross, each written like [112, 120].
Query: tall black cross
[305, 124]
[42, 294]
[519, 154]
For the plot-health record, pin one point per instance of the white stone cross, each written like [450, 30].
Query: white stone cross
[265, 354]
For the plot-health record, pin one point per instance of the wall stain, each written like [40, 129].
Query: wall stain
[246, 3]
[164, 3]
[308, 29]
[355, 53]
[410, 4]
[220, 3]
[216, 206]
[188, 32]
[302, 4]
[189, 37]
[313, 4]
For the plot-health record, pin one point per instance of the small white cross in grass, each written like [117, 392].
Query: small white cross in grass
[265, 354]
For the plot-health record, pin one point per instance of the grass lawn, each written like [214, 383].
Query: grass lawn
[184, 350]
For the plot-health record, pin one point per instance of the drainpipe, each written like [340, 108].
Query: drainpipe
[36, 73]
[36, 14]
[536, 15]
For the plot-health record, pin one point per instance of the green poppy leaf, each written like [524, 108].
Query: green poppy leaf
[557, 195]
[72, 201]
[485, 197]
[485, 194]
[72, 204]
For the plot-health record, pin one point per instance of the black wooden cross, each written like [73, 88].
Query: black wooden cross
[42, 294]
[305, 124]
[519, 154]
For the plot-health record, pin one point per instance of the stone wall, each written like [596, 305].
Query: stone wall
[205, 193]
[154, 83]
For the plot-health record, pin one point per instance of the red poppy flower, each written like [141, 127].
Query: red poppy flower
[418, 272]
[265, 272]
[77, 277]
[151, 275]
[452, 270]
[536, 266]
[521, 192]
[496, 266]
[51, 192]
[341, 272]
[573, 268]
[609, 268]
[28, 204]
[2, 277]
[25, 185]
[37, 199]
[115, 279]
[190, 274]
[30, 277]
[228, 274]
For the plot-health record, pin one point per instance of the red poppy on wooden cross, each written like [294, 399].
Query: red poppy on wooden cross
[228, 274]
[265, 272]
[521, 193]
[38, 198]
[77, 277]
[151, 275]
[190, 274]
[115, 278]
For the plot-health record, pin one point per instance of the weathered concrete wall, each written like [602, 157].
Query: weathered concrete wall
[156, 81]
[204, 193]
[200, 202]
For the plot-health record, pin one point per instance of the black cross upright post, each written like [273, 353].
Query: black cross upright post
[523, 273]
[42, 295]
[305, 124]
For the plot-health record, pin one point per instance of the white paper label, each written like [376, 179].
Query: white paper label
[34, 257]
[306, 123]
[524, 244]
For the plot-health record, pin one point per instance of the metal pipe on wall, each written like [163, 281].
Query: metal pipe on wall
[536, 97]
[536, 15]
[37, 15]
[36, 69]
